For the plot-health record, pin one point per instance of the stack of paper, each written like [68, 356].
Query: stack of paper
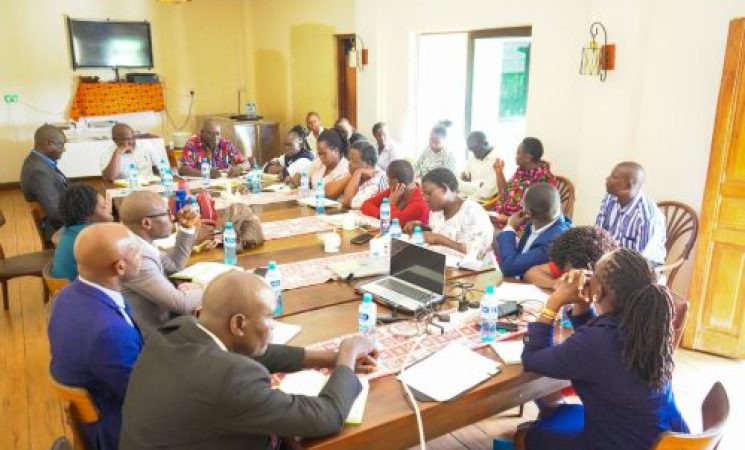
[123, 182]
[204, 272]
[310, 383]
[283, 333]
[449, 372]
[510, 351]
[520, 292]
[311, 201]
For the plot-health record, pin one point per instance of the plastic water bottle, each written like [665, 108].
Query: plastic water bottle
[489, 315]
[274, 278]
[206, 169]
[256, 179]
[320, 198]
[395, 229]
[133, 178]
[385, 216]
[368, 316]
[162, 167]
[166, 180]
[228, 244]
[304, 184]
[566, 322]
[417, 238]
[194, 205]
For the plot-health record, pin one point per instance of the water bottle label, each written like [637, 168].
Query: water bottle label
[364, 317]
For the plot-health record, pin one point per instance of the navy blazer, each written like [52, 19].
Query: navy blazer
[513, 262]
[621, 412]
[94, 347]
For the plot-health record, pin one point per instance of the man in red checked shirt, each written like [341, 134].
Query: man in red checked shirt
[220, 152]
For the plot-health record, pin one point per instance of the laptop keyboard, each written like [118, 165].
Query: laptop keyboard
[404, 289]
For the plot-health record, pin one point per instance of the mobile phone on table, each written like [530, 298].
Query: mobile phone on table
[361, 238]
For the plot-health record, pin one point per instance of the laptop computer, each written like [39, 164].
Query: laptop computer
[416, 280]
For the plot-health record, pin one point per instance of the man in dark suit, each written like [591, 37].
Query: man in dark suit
[542, 212]
[93, 338]
[41, 179]
[206, 383]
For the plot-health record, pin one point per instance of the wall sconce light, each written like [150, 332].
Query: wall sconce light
[597, 58]
[357, 54]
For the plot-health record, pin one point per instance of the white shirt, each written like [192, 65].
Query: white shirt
[370, 188]
[389, 153]
[534, 234]
[317, 170]
[116, 296]
[483, 184]
[214, 338]
[470, 226]
[140, 157]
[300, 165]
[313, 141]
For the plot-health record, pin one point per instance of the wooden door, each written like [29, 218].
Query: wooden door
[347, 79]
[717, 322]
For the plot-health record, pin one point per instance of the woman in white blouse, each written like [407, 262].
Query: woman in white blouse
[331, 166]
[460, 224]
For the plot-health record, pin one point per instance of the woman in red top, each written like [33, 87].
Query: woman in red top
[406, 198]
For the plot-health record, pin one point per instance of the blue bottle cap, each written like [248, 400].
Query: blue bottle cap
[367, 298]
[229, 225]
[272, 265]
[489, 289]
[385, 200]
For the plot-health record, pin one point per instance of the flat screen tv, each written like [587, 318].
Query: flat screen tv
[110, 44]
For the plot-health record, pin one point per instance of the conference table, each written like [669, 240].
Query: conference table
[328, 310]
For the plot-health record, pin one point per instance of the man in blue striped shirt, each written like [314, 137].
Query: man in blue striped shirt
[631, 217]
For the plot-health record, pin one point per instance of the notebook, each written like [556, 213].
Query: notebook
[509, 351]
[310, 383]
[449, 373]
[203, 272]
[311, 201]
[283, 333]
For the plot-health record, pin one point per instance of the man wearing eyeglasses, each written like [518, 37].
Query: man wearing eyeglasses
[153, 297]
[41, 179]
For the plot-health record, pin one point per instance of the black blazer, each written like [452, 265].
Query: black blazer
[187, 393]
[42, 183]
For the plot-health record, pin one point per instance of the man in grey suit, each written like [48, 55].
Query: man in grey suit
[206, 383]
[41, 179]
[154, 299]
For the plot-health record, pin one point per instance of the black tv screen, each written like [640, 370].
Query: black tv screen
[110, 44]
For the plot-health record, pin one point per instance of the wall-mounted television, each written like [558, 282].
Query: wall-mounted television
[110, 44]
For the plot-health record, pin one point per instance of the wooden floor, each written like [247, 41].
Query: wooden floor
[31, 417]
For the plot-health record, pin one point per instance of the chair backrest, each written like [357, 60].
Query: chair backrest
[681, 223]
[61, 444]
[566, 192]
[715, 411]
[680, 317]
[37, 212]
[79, 408]
[54, 285]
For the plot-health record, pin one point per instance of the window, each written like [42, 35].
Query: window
[479, 81]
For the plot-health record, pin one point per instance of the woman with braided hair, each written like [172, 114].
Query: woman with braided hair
[619, 359]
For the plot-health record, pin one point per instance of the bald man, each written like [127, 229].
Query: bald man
[544, 222]
[41, 179]
[94, 340]
[478, 181]
[219, 152]
[631, 217]
[116, 162]
[153, 297]
[206, 384]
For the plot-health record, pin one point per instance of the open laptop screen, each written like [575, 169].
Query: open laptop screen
[418, 266]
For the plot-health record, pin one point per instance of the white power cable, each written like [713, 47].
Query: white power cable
[414, 404]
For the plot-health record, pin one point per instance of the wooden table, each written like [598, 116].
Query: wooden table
[389, 421]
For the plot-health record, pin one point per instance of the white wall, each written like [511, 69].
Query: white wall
[657, 107]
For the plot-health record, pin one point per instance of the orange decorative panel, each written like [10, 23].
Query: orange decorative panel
[103, 99]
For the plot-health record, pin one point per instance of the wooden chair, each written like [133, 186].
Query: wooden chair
[566, 192]
[715, 410]
[26, 265]
[53, 285]
[79, 409]
[37, 212]
[681, 223]
[680, 317]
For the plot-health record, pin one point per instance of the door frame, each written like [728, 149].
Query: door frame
[346, 84]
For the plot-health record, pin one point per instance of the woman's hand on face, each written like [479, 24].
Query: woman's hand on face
[572, 287]
[396, 193]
